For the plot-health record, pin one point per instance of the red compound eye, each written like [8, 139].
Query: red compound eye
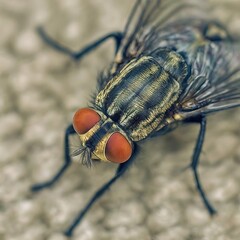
[84, 119]
[118, 149]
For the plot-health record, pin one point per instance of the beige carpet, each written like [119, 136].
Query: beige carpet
[39, 91]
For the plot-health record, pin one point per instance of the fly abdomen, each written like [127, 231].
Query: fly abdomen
[138, 97]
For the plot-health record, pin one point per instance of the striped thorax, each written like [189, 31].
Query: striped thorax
[138, 97]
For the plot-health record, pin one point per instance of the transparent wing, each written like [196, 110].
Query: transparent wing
[214, 84]
[150, 22]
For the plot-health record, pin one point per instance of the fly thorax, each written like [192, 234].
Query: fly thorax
[138, 97]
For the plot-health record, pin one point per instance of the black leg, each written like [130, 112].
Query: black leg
[40, 186]
[119, 173]
[194, 165]
[117, 36]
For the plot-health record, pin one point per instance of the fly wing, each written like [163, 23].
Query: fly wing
[148, 19]
[214, 84]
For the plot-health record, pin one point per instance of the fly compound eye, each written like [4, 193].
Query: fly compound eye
[118, 148]
[84, 119]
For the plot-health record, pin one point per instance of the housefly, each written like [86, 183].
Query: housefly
[173, 65]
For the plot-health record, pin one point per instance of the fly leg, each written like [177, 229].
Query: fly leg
[37, 187]
[119, 173]
[195, 162]
[117, 37]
